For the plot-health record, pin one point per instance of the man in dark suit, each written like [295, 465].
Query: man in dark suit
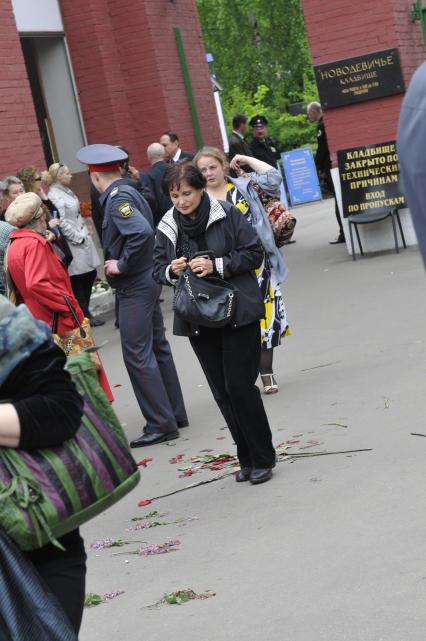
[237, 144]
[262, 147]
[156, 154]
[174, 153]
[323, 162]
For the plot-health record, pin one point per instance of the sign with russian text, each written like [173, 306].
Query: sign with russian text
[369, 177]
[301, 176]
[374, 75]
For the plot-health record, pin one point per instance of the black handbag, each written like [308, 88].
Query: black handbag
[208, 302]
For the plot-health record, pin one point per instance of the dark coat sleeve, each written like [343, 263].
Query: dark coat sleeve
[322, 157]
[247, 254]
[133, 227]
[164, 253]
[45, 398]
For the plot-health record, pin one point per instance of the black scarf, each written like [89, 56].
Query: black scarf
[191, 236]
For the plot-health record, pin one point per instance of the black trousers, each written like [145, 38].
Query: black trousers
[82, 288]
[64, 573]
[148, 357]
[230, 360]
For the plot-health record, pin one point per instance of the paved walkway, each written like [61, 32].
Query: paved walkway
[334, 547]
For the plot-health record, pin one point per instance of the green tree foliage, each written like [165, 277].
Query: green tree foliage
[262, 60]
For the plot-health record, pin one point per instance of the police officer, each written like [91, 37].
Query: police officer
[262, 147]
[128, 241]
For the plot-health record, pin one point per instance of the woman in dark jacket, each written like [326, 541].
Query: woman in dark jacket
[228, 355]
[40, 407]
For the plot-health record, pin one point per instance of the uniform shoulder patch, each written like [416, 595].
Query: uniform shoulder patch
[125, 209]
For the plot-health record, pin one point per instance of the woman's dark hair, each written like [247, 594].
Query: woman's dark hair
[183, 171]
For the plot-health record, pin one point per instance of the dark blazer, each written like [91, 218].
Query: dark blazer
[238, 250]
[162, 201]
[186, 154]
[322, 157]
[238, 145]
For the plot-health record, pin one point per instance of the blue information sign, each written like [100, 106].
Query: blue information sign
[301, 176]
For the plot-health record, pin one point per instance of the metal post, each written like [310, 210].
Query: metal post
[418, 13]
[188, 88]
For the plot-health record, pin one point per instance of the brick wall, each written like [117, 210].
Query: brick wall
[341, 29]
[128, 74]
[20, 139]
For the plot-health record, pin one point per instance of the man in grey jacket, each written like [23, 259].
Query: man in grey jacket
[411, 146]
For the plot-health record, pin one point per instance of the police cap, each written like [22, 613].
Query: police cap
[258, 121]
[101, 157]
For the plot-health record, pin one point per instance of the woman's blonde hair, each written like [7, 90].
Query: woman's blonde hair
[212, 152]
[27, 176]
[52, 174]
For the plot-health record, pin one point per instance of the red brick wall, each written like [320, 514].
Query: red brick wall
[128, 74]
[20, 139]
[341, 29]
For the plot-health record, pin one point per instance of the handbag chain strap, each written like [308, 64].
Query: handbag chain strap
[191, 295]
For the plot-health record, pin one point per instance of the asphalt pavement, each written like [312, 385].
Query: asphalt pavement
[333, 547]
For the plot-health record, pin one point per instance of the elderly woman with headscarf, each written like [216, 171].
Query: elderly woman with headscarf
[40, 279]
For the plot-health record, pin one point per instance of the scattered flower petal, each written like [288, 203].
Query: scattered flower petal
[177, 459]
[144, 462]
[111, 595]
[144, 502]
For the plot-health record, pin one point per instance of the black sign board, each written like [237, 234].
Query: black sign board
[369, 177]
[346, 82]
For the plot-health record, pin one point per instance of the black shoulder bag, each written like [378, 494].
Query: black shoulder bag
[208, 301]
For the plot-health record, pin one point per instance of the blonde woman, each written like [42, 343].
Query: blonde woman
[213, 165]
[82, 269]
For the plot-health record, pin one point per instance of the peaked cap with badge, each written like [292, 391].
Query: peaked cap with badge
[101, 158]
[258, 121]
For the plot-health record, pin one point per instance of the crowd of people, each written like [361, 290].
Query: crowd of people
[190, 215]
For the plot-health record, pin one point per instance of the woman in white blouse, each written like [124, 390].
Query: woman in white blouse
[82, 269]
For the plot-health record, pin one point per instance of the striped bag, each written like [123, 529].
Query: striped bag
[46, 493]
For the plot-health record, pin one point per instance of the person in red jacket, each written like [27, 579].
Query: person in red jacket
[40, 279]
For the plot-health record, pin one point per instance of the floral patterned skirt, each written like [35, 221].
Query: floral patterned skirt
[274, 326]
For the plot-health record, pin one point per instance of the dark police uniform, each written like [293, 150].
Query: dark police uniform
[128, 237]
[265, 149]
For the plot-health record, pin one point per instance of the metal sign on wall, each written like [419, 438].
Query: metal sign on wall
[373, 75]
[369, 177]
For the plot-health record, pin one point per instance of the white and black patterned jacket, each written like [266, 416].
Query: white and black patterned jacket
[238, 253]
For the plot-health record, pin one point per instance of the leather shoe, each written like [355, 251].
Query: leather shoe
[340, 239]
[181, 424]
[96, 322]
[153, 438]
[260, 475]
[243, 474]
